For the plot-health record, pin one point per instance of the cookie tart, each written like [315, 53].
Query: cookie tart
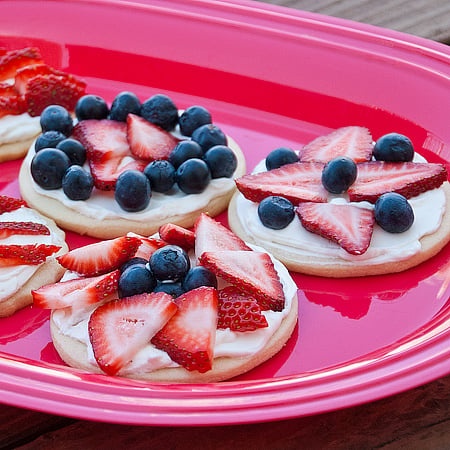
[130, 166]
[197, 306]
[345, 206]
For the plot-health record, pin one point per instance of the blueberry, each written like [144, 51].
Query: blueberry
[193, 118]
[221, 160]
[49, 139]
[393, 213]
[280, 157]
[160, 110]
[199, 276]
[137, 260]
[393, 147]
[208, 136]
[183, 151]
[132, 191]
[161, 175]
[169, 263]
[77, 183]
[193, 176]
[339, 174]
[48, 168]
[124, 104]
[91, 107]
[56, 118]
[276, 212]
[74, 150]
[170, 287]
[135, 280]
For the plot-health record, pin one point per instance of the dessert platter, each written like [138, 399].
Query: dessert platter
[312, 337]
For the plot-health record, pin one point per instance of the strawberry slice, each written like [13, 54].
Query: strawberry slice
[32, 255]
[11, 103]
[44, 90]
[147, 140]
[148, 245]
[252, 272]
[107, 150]
[25, 74]
[78, 293]
[14, 60]
[348, 225]
[8, 204]
[119, 329]
[27, 228]
[177, 235]
[353, 142]
[189, 336]
[101, 257]
[239, 311]
[8, 90]
[211, 235]
[298, 182]
[408, 179]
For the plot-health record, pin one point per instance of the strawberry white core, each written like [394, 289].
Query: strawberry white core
[18, 128]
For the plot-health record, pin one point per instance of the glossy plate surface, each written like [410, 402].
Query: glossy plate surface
[271, 77]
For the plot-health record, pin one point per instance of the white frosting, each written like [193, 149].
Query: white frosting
[428, 208]
[18, 128]
[13, 278]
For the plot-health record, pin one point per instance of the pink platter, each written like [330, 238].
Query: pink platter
[271, 76]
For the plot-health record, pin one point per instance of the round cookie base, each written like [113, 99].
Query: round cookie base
[312, 265]
[108, 228]
[74, 354]
[15, 150]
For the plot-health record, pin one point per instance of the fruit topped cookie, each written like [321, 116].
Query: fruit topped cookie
[130, 166]
[345, 206]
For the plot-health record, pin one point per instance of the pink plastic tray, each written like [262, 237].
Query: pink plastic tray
[271, 77]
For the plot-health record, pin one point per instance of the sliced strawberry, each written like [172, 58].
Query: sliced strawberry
[148, 141]
[14, 60]
[107, 149]
[78, 293]
[298, 182]
[177, 235]
[52, 89]
[239, 311]
[252, 272]
[119, 329]
[8, 90]
[211, 235]
[101, 257]
[408, 179]
[8, 204]
[18, 255]
[348, 225]
[12, 105]
[148, 245]
[353, 142]
[27, 228]
[189, 336]
[25, 74]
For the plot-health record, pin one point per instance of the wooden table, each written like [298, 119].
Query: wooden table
[419, 418]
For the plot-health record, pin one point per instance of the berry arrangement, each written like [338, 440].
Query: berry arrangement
[148, 288]
[129, 148]
[347, 162]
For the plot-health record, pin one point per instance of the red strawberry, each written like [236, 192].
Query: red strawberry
[147, 246]
[107, 149]
[177, 235]
[239, 311]
[349, 226]
[189, 336]
[45, 90]
[12, 106]
[14, 60]
[29, 228]
[148, 141]
[353, 142]
[25, 74]
[298, 182]
[252, 272]
[101, 257]
[211, 235]
[8, 204]
[78, 293]
[408, 179]
[18, 255]
[119, 329]
[8, 90]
